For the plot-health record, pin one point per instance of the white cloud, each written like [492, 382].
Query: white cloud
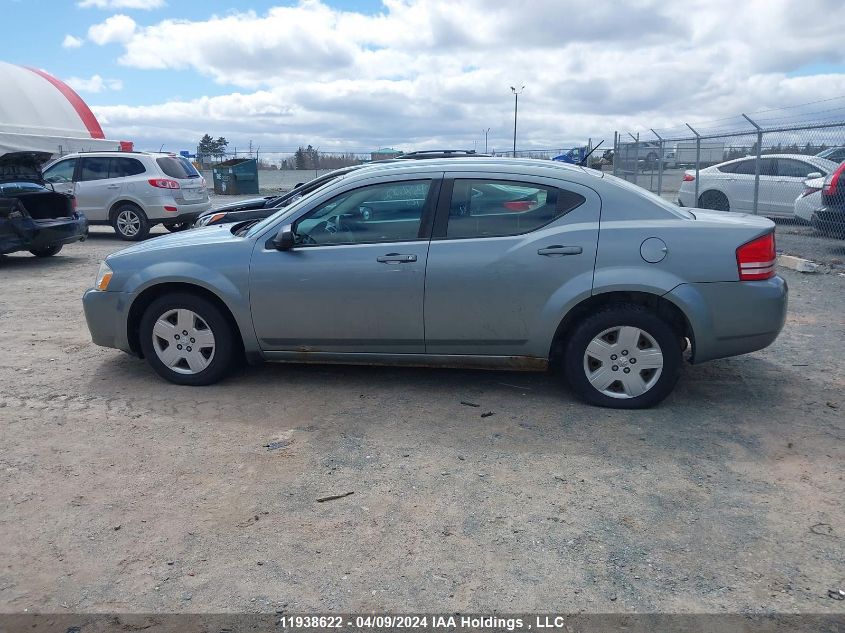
[94, 84]
[425, 72]
[118, 28]
[71, 41]
[121, 4]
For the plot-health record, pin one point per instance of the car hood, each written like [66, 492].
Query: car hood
[22, 166]
[195, 237]
[241, 205]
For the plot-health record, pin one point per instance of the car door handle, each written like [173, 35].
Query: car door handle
[396, 258]
[559, 251]
[113, 187]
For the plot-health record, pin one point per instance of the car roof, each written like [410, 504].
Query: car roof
[522, 165]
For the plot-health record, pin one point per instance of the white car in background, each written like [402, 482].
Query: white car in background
[132, 191]
[729, 186]
[810, 200]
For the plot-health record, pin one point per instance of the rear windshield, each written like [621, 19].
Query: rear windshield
[177, 167]
[20, 187]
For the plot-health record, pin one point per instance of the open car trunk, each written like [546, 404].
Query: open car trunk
[44, 205]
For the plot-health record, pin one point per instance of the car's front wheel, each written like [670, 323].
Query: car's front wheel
[187, 339]
[624, 357]
[46, 251]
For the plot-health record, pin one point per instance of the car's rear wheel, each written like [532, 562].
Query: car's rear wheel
[130, 223]
[624, 357]
[46, 251]
[187, 339]
[715, 200]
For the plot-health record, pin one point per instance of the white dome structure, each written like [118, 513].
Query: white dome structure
[40, 113]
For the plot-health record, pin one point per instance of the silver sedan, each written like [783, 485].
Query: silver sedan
[491, 263]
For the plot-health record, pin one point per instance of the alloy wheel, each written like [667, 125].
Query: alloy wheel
[128, 223]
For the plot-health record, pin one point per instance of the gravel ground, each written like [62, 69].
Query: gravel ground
[125, 493]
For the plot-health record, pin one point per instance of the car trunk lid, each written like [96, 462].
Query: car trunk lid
[22, 166]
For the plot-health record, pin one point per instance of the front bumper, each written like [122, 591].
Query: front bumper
[23, 234]
[733, 317]
[106, 314]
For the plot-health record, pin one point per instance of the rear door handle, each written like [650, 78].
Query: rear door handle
[396, 258]
[559, 251]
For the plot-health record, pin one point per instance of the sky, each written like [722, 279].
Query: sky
[357, 75]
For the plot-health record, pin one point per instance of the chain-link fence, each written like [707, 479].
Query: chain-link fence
[750, 165]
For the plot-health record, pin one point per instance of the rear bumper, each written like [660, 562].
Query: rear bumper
[23, 234]
[184, 212]
[829, 220]
[733, 317]
[106, 315]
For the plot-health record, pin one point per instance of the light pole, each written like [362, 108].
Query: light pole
[516, 94]
[486, 132]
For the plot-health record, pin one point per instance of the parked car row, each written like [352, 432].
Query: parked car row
[790, 186]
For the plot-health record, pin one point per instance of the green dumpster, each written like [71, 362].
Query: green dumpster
[236, 176]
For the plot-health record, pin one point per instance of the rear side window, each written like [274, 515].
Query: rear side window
[495, 208]
[94, 168]
[177, 167]
[123, 167]
[796, 168]
[729, 168]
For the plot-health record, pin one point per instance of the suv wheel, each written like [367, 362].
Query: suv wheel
[46, 251]
[624, 357]
[130, 223]
[187, 340]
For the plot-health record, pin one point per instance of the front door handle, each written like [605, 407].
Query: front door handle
[557, 250]
[396, 258]
[113, 187]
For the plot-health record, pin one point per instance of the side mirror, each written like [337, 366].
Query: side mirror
[284, 240]
[815, 174]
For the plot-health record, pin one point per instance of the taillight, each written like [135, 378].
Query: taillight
[518, 205]
[831, 184]
[808, 191]
[163, 183]
[756, 259]
[73, 203]
[688, 178]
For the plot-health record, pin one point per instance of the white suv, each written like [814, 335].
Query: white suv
[132, 191]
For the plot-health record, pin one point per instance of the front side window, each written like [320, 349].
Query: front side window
[491, 208]
[387, 212]
[94, 168]
[61, 171]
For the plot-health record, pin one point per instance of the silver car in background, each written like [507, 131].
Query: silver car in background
[492, 263]
[132, 191]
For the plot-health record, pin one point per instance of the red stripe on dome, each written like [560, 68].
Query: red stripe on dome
[76, 101]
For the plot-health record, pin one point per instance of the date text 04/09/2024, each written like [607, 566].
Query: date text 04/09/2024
[422, 621]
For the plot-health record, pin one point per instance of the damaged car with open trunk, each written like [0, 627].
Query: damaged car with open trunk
[34, 217]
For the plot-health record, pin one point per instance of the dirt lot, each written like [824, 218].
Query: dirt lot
[124, 493]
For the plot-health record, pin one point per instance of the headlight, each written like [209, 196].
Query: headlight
[208, 219]
[104, 275]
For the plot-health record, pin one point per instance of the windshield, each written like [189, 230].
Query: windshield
[291, 204]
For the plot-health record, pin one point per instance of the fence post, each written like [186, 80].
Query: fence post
[660, 163]
[756, 162]
[697, 159]
[636, 155]
[615, 151]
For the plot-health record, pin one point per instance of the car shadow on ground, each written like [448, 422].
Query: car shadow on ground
[728, 382]
[27, 260]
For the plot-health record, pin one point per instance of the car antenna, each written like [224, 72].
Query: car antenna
[584, 160]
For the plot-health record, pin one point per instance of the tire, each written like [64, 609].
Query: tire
[652, 343]
[46, 251]
[130, 223]
[178, 226]
[715, 200]
[162, 328]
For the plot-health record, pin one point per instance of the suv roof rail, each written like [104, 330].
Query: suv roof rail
[442, 153]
